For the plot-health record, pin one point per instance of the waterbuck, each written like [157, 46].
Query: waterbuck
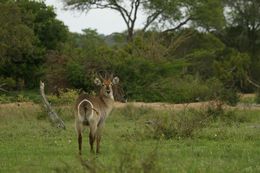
[92, 111]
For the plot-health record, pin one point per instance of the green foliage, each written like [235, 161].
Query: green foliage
[28, 29]
[221, 93]
[21, 56]
[203, 10]
[199, 12]
[42, 19]
[5, 99]
[146, 74]
[231, 68]
[8, 83]
[173, 126]
[189, 122]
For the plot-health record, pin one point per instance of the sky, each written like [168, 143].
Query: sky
[105, 21]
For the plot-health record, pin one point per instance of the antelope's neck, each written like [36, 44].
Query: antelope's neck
[108, 101]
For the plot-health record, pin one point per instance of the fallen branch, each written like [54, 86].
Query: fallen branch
[2, 89]
[252, 82]
[53, 115]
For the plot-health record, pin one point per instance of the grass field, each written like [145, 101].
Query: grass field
[134, 140]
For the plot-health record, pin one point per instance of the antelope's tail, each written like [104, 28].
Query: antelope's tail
[85, 108]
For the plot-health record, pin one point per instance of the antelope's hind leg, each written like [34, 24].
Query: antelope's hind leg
[79, 129]
[92, 136]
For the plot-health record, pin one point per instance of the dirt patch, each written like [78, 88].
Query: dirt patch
[161, 106]
[157, 105]
[197, 105]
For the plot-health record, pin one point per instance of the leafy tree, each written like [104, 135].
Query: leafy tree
[42, 19]
[27, 30]
[232, 67]
[21, 57]
[243, 31]
[244, 21]
[127, 9]
[178, 13]
[166, 12]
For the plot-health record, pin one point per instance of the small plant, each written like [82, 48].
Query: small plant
[22, 98]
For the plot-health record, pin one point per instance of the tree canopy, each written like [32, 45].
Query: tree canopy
[27, 30]
[171, 14]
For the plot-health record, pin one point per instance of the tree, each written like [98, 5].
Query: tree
[169, 13]
[244, 18]
[21, 56]
[128, 10]
[28, 29]
[243, 30]
[42, 19]
[198, 13]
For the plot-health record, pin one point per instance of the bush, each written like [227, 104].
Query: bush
[67, 96]
[181, 125]
[8, 83]
[257, 97]
[219, 92]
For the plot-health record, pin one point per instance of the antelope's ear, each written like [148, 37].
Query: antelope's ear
[97, 81]
[115, 80]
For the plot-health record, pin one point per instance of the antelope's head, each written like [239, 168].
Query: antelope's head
[106, 85]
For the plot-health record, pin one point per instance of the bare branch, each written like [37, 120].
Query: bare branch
[137, 4]
[252, 82]
[123, 13]
[51, 112]
[150, 19]
[132, 8]
[179, 25]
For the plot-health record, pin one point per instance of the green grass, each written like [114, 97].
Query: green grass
[29, 143]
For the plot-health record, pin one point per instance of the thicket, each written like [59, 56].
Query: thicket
[185, 65]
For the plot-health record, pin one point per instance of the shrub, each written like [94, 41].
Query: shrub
[9, 83]
[181, 125]
[22, 98]
[5, 99]
[67, 96]
[257, 97]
